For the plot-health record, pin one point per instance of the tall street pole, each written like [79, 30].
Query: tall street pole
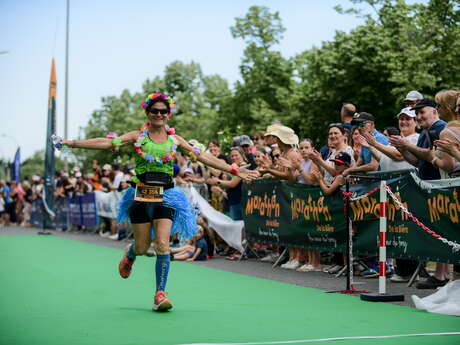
[66, 91]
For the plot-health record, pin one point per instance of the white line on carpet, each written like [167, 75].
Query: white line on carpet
[333, 339]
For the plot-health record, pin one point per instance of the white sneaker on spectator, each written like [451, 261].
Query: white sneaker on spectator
[395, 278]
[272, 257]
[114, 237]
[104, 234]
[293, 265]
[286, 264]
[304, 268]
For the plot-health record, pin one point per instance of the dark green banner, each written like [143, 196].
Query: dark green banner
[295, 215]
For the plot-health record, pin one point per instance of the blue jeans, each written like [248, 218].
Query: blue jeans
[235, 212]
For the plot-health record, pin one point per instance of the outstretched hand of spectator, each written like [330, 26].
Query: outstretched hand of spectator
[363, 140]
[317, 176]
[212, 181]
[398, 141]
[315, 156]
[247, 175]
[447, 145]
[285, 163]
[369, 139]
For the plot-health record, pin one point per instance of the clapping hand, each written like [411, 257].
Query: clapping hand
[285, 163]
[398, 141]
[447, 145]
[317, 176]
[363, 141]
[369, 139]
[315, 156]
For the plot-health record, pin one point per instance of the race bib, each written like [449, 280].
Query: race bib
[146, 193]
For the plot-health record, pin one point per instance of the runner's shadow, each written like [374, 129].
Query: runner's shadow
[145, 310]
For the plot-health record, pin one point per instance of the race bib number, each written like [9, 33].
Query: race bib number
[146, 193]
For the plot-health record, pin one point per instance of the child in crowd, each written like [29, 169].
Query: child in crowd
[195, 249]
[342, 161]
[304, 175]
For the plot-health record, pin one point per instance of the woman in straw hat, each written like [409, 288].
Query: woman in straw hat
[287, 141]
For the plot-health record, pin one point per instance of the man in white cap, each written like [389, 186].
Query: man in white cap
[388, 156]
[412, 98]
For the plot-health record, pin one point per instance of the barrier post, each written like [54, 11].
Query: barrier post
[382, 238]
[382, 295]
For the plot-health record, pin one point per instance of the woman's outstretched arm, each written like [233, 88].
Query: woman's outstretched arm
[101, 143]
[214, 162]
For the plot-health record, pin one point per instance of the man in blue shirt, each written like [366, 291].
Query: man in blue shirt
[366, 162]
[419, 155]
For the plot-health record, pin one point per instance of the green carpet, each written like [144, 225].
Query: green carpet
[56, 291]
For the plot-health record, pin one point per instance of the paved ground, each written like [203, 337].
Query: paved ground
[253, 267]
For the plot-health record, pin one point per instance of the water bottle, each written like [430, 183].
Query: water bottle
[57, 141]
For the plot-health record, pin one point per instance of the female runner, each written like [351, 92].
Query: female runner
[153, 200]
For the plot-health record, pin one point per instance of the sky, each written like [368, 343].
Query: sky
[116, 45]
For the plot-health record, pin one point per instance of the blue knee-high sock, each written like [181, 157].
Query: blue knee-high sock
[162, 270]
[131, 254]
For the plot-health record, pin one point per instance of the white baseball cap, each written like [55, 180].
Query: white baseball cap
[408, 112]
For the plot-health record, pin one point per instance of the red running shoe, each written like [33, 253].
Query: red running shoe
[124, 267]
[161, 302]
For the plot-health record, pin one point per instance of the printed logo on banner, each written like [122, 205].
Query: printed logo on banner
[370, 206]
[314, 209]
[269, 209]
[441, 204]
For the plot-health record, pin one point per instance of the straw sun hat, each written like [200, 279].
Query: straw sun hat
[283, 133]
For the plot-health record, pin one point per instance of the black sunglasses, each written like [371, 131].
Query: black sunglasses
[156, 111]
[276, 156]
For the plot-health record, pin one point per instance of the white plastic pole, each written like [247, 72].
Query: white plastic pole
[382, 238]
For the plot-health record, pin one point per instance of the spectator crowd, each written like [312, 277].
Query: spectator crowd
[425, 137]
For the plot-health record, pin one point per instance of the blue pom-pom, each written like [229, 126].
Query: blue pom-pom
[184, 222]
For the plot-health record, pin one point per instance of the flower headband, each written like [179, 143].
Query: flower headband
[155, 97]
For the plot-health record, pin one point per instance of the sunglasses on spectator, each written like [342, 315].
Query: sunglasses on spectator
[156, 111]
[276, 156]
[256, 138]
[336, 124]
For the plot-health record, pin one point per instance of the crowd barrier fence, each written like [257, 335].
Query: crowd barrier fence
[301, 216]
[84, 210]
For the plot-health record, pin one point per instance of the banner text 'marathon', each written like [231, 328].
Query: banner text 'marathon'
[310, 209]
[266, 205]
[442, 204]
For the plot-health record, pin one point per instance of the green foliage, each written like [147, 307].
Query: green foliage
[35, 165]
[399, 47]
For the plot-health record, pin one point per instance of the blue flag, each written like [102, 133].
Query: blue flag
[17, 166]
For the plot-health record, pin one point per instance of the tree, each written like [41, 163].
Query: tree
[263, 95]
[399, 48]
[199, 98]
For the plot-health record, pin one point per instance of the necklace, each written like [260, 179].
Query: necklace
[155, 159]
